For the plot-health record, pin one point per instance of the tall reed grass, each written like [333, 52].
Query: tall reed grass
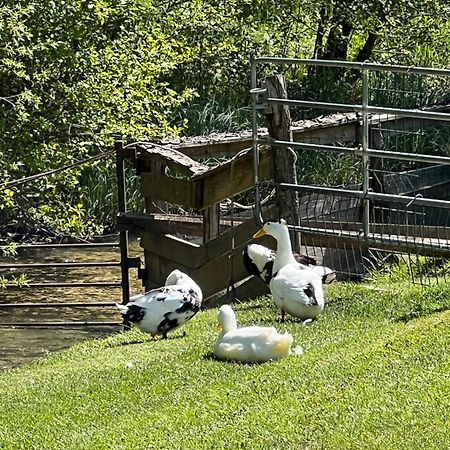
[216, 116]
[99, 184]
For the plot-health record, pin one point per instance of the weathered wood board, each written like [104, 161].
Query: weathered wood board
[208, 188]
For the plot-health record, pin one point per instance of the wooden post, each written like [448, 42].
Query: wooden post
[376, 182]
[211, 222]
[279, 127]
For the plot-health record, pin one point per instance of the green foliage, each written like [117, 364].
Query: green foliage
[366, 375]
[328, 168]
[209, 118]
[100, 194]
[74, 72]
[401, 267]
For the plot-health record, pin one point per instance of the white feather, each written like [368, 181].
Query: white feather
[296, 288]
[252, 344]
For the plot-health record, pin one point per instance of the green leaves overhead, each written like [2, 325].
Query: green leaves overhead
[73, 72]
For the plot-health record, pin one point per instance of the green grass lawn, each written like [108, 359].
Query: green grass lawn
[375, 374]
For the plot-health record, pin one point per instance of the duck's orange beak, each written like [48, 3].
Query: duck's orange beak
[259, 233]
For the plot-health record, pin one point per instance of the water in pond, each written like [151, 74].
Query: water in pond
[20, 345]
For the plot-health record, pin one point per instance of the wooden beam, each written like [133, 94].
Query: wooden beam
[210, 222]
[178, 191]
[180, 251]
[212, 276]
[168, 156]
[211, 187]
[233, 177]
[167, 223]
[248, 288]
[193, 255]
[339, 127]
[226, 144]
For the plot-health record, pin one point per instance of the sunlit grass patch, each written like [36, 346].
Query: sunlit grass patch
[368, 378]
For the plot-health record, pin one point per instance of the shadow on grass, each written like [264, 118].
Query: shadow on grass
[210, 356]
[149, 340]
[418, 314]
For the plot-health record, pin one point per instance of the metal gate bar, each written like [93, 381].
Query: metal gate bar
[404, 199]
[364, 152]
[416, 157]
[413, 113]
[98, 284]
[125, 264]
[61, 265]
[351, 65]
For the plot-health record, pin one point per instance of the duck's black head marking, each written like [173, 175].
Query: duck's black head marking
[134, 314]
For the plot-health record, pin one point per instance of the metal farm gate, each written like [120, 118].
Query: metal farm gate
[381, 185]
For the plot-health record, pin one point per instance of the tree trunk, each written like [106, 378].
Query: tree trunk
[279, 126]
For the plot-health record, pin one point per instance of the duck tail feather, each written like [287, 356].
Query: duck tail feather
[123, 309]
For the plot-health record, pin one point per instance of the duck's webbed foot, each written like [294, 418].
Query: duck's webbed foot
[282, 316]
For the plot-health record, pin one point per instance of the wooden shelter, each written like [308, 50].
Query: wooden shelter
[204, 244]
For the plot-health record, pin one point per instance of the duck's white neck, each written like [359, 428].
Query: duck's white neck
[284, 251]
[227, 320]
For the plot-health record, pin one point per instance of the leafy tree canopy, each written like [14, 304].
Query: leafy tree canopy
[73, 72]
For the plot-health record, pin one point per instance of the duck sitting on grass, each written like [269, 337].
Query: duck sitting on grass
[296, 288]
[166, 308]
[253, 344]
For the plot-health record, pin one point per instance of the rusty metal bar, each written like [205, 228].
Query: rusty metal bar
[53, 171]
[55, 304]
[61, 265]
[98, 284]
[58, 324]
[122, 207]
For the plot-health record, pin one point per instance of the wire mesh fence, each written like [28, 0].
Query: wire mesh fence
[376, 198]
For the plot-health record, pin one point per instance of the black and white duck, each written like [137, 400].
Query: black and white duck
[166, 308]
[258, 261]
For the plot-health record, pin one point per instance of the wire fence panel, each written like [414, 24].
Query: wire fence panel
[379, 192]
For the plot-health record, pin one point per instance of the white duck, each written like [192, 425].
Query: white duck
[296, 288]
[163, 309]
[252, 344]
[259, 260]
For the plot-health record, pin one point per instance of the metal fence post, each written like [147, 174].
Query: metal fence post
[254, 91]
[365, 148]
[122, 206]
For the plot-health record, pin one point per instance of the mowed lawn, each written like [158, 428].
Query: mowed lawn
[375, 374]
